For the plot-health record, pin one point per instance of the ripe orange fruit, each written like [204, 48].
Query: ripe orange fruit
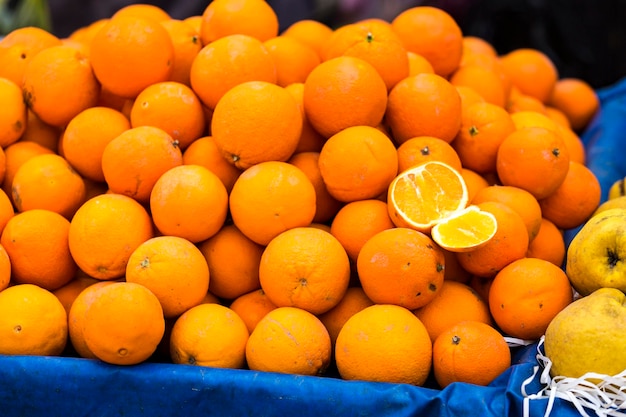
[356, 222]
[485, 81]
[48, 182]
[294, 60]
[310, 32]
[520, 200]
[14, 116]
[204, 152]
[575, 200]
[558, 116]
[420, 149]
[454, 303]
[32, 322]
[548, 244]
[67, 293]
[474, 182]
[186, 42]
[289, 340]
[59, 71]
[40, 235]
[87, 134]
[358, 163]
[5, 269]
[254, 18]
[343, 92]
[252, 307]
[15, 155]
[384, 343]
[255, 122]
[419, 64]
[465, 230]
[470, 352]
[189, 201]
[310, 139]
[432, 33]
[353, 301]
[44, 134]
[305, 267]
[574, 144]
[209, 335]
[269, 198]
[508, 244]
[172, 107]
[484, 126]
[477, 45]
[130, 53]
[123, 324]
[147, 11]
[412, 194]
[531, 71]
[519, 101]
[133, 161]
[401, 266]
[526, 295]
[576, 99]
[423, 105]
[103, 233]
[227, 62]
[233, 261]
[173, 269]
[538, 148]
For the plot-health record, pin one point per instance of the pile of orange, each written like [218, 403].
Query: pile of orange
[383, 198]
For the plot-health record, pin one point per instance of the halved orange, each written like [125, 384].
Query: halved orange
[465, 230]
[424, 195]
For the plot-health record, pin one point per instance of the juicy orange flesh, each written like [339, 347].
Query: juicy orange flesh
[471, 228]
[429, 195]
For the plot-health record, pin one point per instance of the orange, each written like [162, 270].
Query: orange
[342, 92]
[227, 62]
[468, 96]
[531, 71]
[172, 107]
[187, 44]
[104, 231]
[508, 244]
[233, 261]
[195, 21]
[189, 201]
[419, 64]
[38, 131]
[255, 122]
[424, 105]
[14, 116]
[520, 200]
[67, 293]
[269, 198]
[173, 269]
[375, 42]
[526, 295]
[353, 301]
[432, 33]
[32, 322]
[576, 99]
[305, 267]
[289, 340]
[19, 46]
[470, 352]
[454, 303]
[312, 33]
[254, 18]
[146, 11]
[294, 60]
[548, 244]
[76, 318]
[533, 118]
[134, 160]
[86, 136]
[15, 155]
[574, 144]
[209, 335]
[310, 139]
[474, 182]
[453, 270]
[5, 269]
[252, 307]
[59, 71]
[422, 196]
[326, 206]
[534, 159]
[401, 266]
[384, 343]
[477, 45]
[358, 163]
[48, 182]
[40, 235]
[575, 200]
[123, 324]
[524, 102]
[204, 152]
[7, 211]
[129, 53]
[558, 116]
[420, 149]
[356, 222]
[484, 126]
[483, 80]
[465, 230]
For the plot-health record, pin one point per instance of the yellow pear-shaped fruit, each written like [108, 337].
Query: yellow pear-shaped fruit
[617, 202]
[596, 256]
[588, 335]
